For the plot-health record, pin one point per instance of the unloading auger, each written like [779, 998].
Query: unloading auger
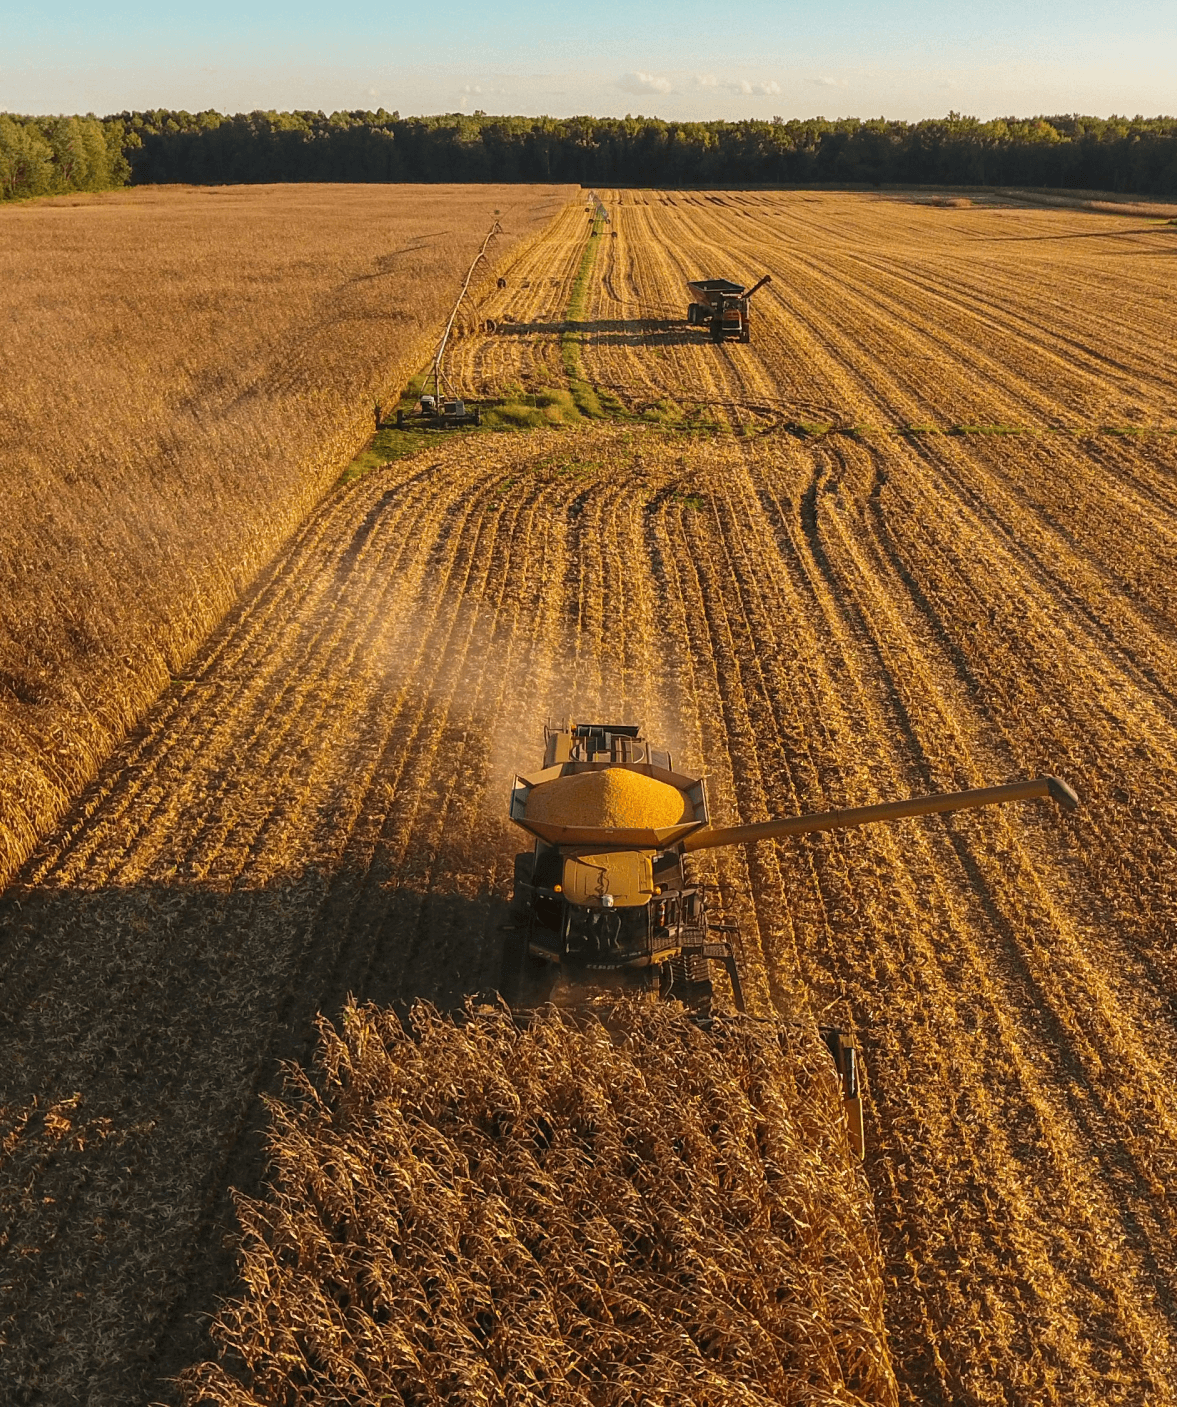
[606, 892]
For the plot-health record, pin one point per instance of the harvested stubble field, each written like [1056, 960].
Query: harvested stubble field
[183, 374]
[884, 313]
[814, 619]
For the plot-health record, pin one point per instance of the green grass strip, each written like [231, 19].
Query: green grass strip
[589, 401]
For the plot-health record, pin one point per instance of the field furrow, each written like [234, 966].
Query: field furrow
[854, 331]
[817, 582]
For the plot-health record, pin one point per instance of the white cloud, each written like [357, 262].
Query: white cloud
[639, 82]
[828, 82]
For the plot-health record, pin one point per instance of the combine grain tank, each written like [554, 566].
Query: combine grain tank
[605, 890]
[607, 896]
[722, 307]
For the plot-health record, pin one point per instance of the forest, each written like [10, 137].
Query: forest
[41, 156]
[53, 155]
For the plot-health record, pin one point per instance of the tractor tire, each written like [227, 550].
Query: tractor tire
[690, 983]
[520, 970]
[521, 893]
[511, 970]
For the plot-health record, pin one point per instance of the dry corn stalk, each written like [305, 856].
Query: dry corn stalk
[575, 1212]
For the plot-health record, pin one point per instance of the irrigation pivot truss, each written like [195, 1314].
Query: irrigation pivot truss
[436, 373]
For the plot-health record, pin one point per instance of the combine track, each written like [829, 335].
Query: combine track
[317, 808]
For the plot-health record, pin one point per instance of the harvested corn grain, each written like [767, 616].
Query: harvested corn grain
[613, 799]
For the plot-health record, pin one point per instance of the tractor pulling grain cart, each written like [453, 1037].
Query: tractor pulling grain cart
[607, 897]
[722, 307]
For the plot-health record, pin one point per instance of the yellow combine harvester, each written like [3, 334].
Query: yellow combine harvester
[606, 894]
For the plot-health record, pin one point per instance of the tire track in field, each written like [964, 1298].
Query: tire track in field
[527, 314]
[652, 356]
[321, 810]
[1109, 305]
[832, 330]
[1096, 727]
[986, 369]
[997, 1163]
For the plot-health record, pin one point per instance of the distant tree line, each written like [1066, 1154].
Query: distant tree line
[1136, 155]
[51, 155]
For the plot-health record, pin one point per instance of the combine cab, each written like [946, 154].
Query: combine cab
[722, 307]
[606, 897]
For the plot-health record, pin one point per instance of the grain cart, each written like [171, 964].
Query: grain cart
[722, 306]
[606, 896]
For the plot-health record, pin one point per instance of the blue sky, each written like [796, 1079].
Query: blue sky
[690, 59]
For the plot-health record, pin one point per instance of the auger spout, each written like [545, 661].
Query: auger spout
[1054, 787]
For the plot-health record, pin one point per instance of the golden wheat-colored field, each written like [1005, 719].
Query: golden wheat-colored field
[183, 372]
[575, 1212]
[868, 597]
[884, 313]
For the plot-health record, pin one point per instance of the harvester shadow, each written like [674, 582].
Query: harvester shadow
[196, 999]
[621, 332]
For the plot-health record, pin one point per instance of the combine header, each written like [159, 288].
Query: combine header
[606, 896]
[722, 306]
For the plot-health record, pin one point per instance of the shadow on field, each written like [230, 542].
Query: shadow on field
[1155, 228]
[157, 1018]
[622, 332]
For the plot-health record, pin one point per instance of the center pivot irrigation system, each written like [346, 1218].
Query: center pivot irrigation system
[442, 408]
[596, 210]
